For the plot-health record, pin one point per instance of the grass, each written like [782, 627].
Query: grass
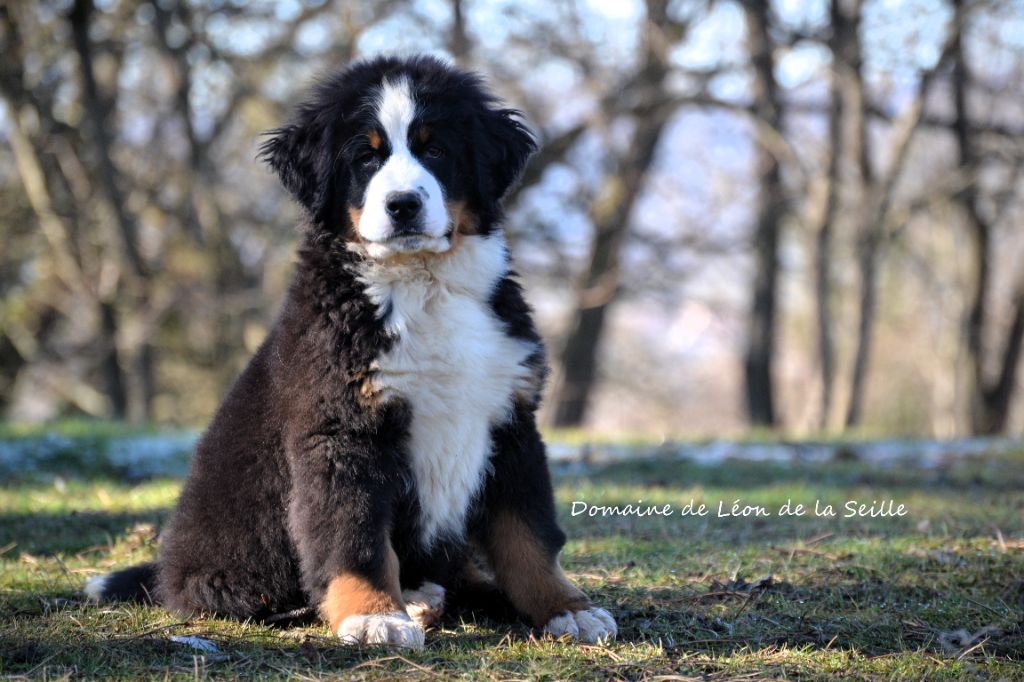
[74, 427]
[936, 594]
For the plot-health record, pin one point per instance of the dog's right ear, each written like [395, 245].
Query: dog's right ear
[300, 154]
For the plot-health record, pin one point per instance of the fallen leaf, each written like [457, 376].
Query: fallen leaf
[196, 643]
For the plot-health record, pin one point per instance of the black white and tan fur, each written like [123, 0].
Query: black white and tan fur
[380, 448]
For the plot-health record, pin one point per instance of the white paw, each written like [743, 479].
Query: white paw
[426, 604]
[396, 629]
[589, 625]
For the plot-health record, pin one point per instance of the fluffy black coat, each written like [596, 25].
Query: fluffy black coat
[299, 477]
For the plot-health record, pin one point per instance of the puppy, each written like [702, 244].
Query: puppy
[381, 445]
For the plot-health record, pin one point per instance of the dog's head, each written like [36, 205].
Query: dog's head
[401, 155]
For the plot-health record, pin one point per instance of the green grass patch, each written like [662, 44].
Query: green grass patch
[935, 594]
[74, 428]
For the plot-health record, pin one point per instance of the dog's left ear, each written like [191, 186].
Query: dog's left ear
[300, 155]
[507, 145]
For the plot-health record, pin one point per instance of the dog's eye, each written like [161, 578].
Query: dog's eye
[433, 152]
[368, 160]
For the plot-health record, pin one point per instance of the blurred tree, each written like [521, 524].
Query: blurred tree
[145, 250]
[989, 399]
[99, 107]
[770, 206]
[458, 43]
[644, 98]
[113, 212]
[876, 223]
[43, 149]
[848, 172]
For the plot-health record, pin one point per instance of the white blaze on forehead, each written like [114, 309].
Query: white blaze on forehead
[402, 172]
[395, 112]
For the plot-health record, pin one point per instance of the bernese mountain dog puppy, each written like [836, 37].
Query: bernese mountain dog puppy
[381, 447]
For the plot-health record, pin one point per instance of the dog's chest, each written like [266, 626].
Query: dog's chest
[455, 366]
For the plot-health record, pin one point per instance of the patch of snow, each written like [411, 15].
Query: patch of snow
[155, 455]
[24, 455]
[921, 453]
[158, 455]
[141, 456]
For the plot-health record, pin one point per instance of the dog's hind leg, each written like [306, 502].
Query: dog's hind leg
[529, 573]
[521, 538]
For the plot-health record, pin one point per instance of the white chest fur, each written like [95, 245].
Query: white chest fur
[454, 364]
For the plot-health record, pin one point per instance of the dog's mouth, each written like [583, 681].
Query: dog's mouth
[407, 244]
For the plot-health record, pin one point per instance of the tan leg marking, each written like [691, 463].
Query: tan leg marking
[350, 594]
[528, 574]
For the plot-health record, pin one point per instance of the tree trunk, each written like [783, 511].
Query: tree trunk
[11, 363]
[46, 190]
[823, 250]
[770, 205]
[611, 212]
[110, 182]
[847, 168]
[113, 373]
[80, 17]
[989, 400]
[610, 216]
[458, 42]
[873, 216]
[867, 265]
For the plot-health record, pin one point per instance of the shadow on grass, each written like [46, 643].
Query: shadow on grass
[155, 654]
[73, 531]
[806, 617]
[843, 606]
[31, 655]
[875, 617]
[281, 651]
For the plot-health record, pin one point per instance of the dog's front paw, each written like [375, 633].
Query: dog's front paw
[589, 625]
[396, 629]
[426, 604]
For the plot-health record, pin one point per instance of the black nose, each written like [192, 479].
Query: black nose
[403, 206]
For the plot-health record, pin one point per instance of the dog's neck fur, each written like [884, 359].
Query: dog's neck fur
[407, 285]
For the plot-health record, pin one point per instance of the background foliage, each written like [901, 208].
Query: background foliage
[801, 215]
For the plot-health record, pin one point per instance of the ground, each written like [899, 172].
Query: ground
[935, 594]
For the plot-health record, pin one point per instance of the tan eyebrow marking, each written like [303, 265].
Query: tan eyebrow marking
[375, 140]
[424, 134]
